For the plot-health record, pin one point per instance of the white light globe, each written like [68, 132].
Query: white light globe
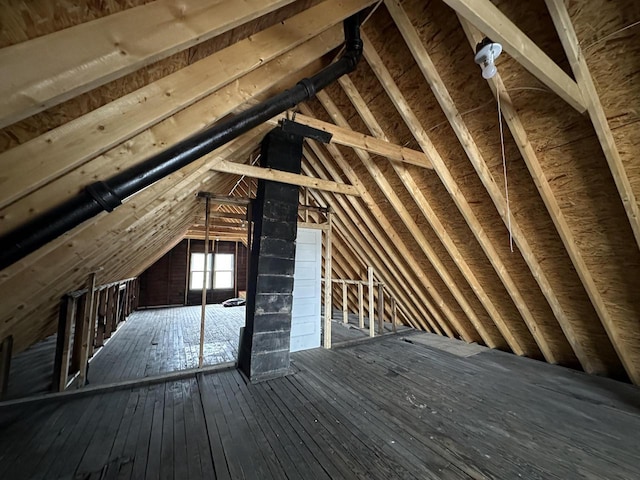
[489, 70]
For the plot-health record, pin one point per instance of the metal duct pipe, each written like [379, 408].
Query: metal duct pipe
[108, 194]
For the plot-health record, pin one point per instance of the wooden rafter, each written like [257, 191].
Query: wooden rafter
[487, 336]
[356, 218]
[443, 97]
[516, 342]
[53, 154]
[50, 69]
[493, 23]
[168, 132]
[562, 21]
[466, 331]
[361, 244]
[546, 193]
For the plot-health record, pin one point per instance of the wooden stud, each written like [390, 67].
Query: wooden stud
[188, 274]
[345, 309]
[62, 357]
[494, 24]
[101, 328]
[328, 304]
[203, 311]
[380, 309]
[394, 314]
[371, 302]
[88, 329]
[360, 305]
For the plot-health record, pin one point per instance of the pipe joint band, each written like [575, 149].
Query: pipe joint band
[102, 194]
[309, 86]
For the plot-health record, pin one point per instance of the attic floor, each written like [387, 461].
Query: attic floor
[432, 408]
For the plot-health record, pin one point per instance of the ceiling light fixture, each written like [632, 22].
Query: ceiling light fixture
[486, 53]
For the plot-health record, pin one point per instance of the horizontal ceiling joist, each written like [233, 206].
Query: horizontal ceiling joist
[376, 146]
[224, 199]
[50, 69]
[492, 22]
[284, 177]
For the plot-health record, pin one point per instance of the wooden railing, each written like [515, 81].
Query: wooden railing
[386, 303]
[88, 317]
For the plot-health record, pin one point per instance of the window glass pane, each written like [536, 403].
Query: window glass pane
[196, 280]
[223, 280]
[197, 262]
[224, 261]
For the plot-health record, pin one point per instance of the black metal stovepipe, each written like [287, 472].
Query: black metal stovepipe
[108, 194]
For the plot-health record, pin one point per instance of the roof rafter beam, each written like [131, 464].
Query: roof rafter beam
[364, 246]
[493, 23]
[50, 69]
[398, 206]
[466, 331]
[447, 179]
[47, 157]
[168, 132]
[530, 157]
[567, 34]
[517, 344]
[355, 218]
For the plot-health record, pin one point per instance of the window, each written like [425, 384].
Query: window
[197, 271]
[223, 271]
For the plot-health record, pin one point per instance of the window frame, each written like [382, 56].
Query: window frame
[216, 270]
[206, 284]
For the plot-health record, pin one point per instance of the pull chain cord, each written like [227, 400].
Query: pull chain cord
[504, 169]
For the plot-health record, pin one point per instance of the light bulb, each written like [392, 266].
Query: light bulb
[487, 52]
[488, 70]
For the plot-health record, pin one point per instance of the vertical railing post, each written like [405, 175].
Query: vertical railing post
[371, 303]
[360, 305]
[345, 306]
[88, 322]
[380, 309]
[394, 314]
[327, 283]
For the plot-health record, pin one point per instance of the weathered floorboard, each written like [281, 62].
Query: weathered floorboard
[410, 407]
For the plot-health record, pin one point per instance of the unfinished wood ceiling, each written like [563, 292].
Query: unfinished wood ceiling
[414, 174]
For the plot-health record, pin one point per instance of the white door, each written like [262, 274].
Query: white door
[305, 312]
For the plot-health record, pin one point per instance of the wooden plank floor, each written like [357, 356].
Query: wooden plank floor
[350, 331]
[423, 408]
[165, 340]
